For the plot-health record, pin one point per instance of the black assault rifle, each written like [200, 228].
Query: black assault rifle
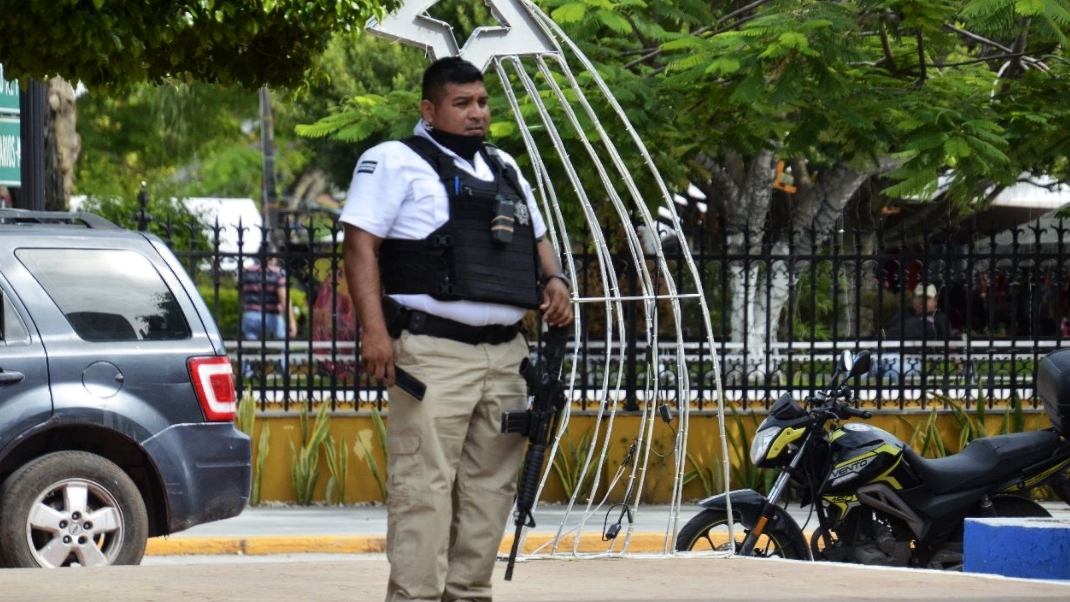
[538, 423]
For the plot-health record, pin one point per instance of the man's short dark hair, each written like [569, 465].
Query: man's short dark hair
[448, 70]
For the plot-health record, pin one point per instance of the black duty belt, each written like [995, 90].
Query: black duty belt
[400, 318]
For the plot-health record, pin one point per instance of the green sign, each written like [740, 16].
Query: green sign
[10, 152]
[9, 95]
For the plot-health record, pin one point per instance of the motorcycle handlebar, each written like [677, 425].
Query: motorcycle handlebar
[848, 412]
[829, 401]
[833, 409]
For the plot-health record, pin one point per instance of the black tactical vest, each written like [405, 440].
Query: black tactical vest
[463, 260]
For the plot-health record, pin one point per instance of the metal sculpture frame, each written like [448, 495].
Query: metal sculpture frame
[527, 43]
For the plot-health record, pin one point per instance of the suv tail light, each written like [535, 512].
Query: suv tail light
[213, 380]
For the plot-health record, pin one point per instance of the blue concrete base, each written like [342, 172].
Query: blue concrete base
[1031, 548]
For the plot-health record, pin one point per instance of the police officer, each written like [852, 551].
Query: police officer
[445, 226]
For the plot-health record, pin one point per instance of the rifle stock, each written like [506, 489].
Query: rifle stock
[538, 424]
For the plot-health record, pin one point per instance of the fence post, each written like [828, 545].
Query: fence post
[143, 217]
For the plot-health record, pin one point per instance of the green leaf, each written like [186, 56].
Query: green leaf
[614, 21]
[686, 44]
[928, 141]
[1030, 8]
[502, 129]
[725, 65]
[571, 12]
[750, 89]
[793, 39]
[957, 147]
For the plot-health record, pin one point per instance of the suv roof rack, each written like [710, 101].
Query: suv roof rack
[23, 217]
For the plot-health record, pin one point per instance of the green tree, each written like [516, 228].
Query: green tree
[848, 90]
[118, 43]
[354, 66]
[182, 140]
[845, 94]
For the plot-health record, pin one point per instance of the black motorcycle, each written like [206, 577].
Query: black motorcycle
[876, 500]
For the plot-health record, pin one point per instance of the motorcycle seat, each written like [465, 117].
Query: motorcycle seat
[983, 461]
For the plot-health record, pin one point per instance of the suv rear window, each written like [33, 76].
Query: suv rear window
[108, 294]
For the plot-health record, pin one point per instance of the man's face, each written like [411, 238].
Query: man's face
[924, 304]
[462, 110]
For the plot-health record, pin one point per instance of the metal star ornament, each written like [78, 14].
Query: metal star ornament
[518, 34]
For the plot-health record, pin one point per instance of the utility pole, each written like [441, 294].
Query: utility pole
[34, 105]
[22, 136]
[269, 197]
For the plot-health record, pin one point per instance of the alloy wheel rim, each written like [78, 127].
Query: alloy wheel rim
[75, 521]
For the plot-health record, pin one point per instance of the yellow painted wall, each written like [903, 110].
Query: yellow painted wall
[358, 433]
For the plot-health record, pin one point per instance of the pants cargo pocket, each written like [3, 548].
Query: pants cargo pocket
[406, 467]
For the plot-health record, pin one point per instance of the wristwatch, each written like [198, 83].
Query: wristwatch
[562, 277]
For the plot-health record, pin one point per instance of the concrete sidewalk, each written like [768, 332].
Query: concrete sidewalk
[362, 530]
[327, 554]
[364, 578]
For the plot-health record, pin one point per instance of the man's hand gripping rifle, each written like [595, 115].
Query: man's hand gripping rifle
[538, 424]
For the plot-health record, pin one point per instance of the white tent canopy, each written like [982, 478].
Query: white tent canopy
[232, 215]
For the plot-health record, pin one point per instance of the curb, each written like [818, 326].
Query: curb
[376, 544]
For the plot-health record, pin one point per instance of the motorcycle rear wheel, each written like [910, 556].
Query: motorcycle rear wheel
[708, 531]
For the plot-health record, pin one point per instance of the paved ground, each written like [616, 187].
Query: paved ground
[262, 555]
[589, 580]
[362, 529]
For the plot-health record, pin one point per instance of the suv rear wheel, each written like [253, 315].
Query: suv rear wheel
[71, 508]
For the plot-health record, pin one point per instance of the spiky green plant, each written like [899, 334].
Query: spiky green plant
[365, 451]
[926, 437]
[708, 476]
[305, 460]
[569, 465]
[258, 465]
[743, 473]
[971, 427]
[338, 465]
[245, 421]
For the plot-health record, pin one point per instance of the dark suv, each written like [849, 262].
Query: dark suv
[117, 396]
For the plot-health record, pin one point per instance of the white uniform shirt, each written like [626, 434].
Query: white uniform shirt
[395, 193]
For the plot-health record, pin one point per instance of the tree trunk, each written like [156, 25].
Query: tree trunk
[759, 291]
[62, 144]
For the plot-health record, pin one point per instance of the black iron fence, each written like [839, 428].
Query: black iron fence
[1003, 299]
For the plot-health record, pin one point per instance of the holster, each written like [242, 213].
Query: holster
[395, 317]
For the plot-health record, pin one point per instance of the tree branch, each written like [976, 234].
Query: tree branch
[977, 38]
[887, 49]
[921, 58]
[983, 59]
[705, 29]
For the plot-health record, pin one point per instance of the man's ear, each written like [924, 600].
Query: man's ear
[427, 111]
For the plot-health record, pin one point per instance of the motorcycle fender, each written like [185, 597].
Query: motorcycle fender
[747, 505]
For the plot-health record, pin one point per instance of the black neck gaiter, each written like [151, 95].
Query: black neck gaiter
[466, 147]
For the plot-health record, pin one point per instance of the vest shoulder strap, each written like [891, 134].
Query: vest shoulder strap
[428, 151]
[445, 168]
[499, 166]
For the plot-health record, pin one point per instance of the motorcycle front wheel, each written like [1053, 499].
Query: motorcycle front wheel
[708, 531]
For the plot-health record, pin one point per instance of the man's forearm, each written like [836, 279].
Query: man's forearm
[551, 266]
[362, 277]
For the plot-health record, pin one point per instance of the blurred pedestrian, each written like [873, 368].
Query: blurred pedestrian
[267, 311]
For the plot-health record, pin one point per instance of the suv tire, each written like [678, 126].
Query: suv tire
[71, 507]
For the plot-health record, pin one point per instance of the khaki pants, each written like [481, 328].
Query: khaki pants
[452, 473]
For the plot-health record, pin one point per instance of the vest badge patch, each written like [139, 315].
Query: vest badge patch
[366, 167]
[521, 212]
